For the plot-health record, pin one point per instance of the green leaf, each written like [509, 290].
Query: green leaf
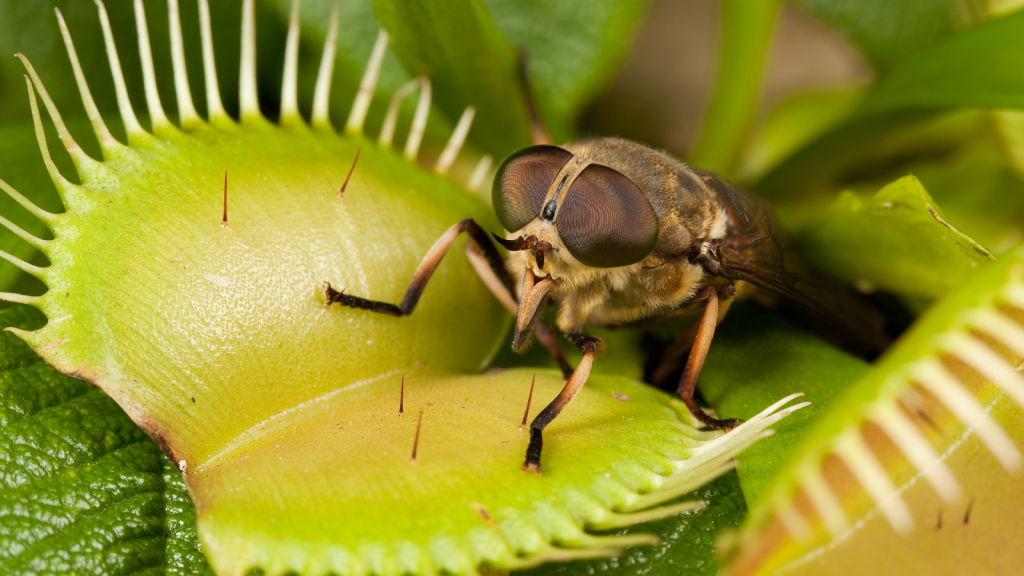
[897, 241]
[572, 50]
[469, 62]
[82, 489]
[972, 186]
[756, 357]
[947, 75]
[792, 124]
[889, 30]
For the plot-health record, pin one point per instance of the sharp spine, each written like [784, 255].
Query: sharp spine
[63, 185]
[47, 217]
[24, 266]
[83, 163]
[20, 299]
[37, 243]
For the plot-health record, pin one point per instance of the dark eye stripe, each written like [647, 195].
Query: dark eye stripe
[605, 219]
[523, 182]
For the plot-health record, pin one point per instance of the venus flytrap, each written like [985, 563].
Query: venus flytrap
[951, 382]
[184, 280]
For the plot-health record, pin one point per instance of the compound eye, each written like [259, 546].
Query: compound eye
[605, 220]
[522, 183]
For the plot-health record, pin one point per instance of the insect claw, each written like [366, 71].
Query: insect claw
[531, 467]
[331, 295]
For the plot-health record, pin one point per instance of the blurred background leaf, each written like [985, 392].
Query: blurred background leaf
[889, 31]
[895, 241]
[745, 31]
[946, 76]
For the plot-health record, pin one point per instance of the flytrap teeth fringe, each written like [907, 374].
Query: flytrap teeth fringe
[959, 345]
[713, 457]
[89, 169]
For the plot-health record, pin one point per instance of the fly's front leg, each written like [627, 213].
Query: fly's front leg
[701, 344]
[590, 346]
[487, 263]
[424, 271]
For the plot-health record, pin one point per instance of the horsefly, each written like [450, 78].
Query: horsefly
[616, 233]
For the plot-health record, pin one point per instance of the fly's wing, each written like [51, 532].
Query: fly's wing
[759, 251]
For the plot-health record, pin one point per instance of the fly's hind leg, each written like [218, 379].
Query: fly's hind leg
[701, 344]
[487, 263]
[591, 346]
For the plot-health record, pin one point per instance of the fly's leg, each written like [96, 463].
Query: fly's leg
[487, 263]
[673, 356]
[590, 346]
[426, 268]
[701, 344]
[676, 353]
[547, 338]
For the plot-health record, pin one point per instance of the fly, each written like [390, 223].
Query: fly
[612, 233]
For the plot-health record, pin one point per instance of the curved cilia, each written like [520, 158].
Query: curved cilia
[932, 434]
[185, 282]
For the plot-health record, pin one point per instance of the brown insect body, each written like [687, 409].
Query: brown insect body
[709, 233]
[659, 285]
[616, 233]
